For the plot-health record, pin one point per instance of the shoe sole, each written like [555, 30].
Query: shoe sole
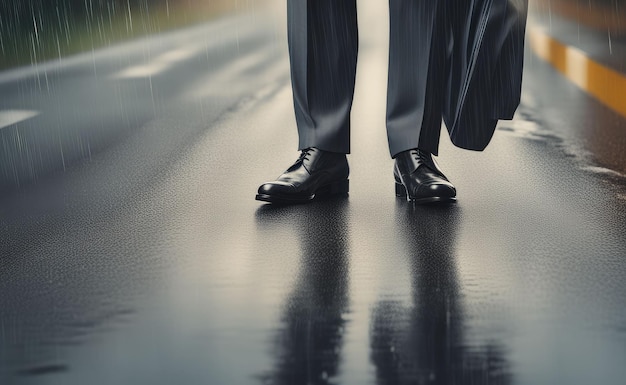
[402, 193]
[332, 189]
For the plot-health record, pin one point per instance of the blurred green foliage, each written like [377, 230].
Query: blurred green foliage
[35, 30]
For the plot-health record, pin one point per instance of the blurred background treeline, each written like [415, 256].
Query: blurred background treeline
[32, 31]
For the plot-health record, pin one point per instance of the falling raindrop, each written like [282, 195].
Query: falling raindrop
[130, 18]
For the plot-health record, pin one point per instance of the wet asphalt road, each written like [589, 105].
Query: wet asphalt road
[151, 262]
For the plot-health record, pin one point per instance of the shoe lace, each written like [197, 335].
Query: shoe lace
[305, 153]
[419, 155]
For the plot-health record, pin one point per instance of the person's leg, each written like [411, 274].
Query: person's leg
[323, 44]
[417, 74]
[418, 52]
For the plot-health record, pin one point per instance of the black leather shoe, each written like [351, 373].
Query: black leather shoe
[419, 178]
[316, 174]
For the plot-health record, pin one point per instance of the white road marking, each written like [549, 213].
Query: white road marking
[158, 64]
[10, 117]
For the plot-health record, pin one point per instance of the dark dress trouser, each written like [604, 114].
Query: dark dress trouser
[323, 45]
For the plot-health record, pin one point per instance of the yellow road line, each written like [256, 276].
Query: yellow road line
[605, 84]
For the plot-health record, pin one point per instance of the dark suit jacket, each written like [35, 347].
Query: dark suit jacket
[485, 76]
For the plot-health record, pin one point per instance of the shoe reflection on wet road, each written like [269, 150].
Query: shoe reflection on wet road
[308, 345]
[420, 340]
[423, 340]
